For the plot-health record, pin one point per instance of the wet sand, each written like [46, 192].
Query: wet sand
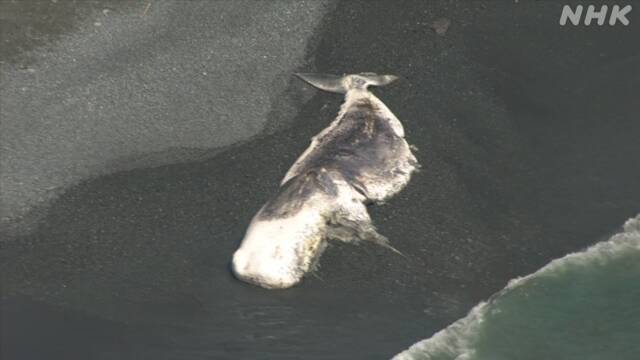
[527, 134]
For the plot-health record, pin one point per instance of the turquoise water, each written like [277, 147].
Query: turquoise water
[584, 306]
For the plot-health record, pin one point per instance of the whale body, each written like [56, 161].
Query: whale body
[359, 159]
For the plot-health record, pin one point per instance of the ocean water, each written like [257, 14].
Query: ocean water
[583, 306]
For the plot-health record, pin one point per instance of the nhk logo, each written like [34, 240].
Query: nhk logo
[617, 14]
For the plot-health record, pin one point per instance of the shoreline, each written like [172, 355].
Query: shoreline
[519, 166]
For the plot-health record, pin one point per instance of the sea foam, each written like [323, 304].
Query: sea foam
[554, 312]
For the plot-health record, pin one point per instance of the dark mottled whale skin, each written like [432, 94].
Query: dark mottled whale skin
[362, 157]
[365, 148]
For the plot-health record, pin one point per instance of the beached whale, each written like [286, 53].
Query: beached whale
[361, 158]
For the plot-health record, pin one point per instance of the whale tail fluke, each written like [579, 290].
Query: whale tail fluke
[342, 84]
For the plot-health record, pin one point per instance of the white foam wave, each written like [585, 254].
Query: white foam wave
[456, 341]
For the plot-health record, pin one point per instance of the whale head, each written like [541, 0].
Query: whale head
[277, 253]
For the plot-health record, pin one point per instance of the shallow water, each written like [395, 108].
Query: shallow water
[525, 159]
[582, 306]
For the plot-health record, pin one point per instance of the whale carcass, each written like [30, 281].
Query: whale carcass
[360, 158]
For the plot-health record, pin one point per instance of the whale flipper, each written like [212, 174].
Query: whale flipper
[352, 223]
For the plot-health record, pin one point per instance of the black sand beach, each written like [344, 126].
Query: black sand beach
[528, 136]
